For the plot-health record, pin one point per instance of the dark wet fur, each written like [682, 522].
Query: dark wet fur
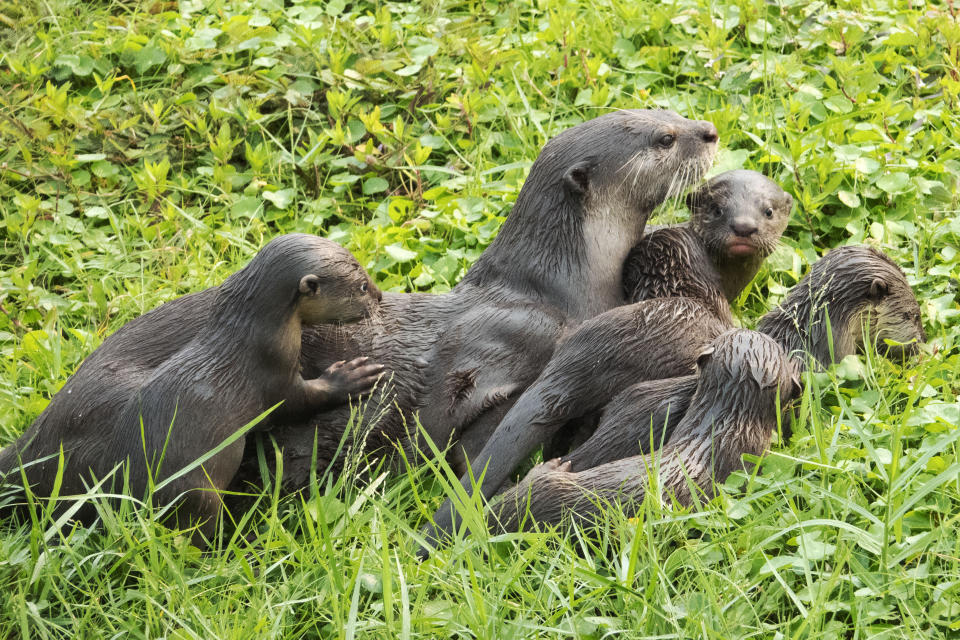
[235, 353]
[741, 387]
[851, 286]
[692, 260]
[556, 261]
[659, 338]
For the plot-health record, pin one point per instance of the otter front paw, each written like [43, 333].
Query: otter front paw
[343, 379]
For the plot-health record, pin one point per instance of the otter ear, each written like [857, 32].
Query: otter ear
[309, 284]
[878, 289]
[577, 177]
[787, 201]
[704, 357]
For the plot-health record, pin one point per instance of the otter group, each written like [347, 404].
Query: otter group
[574, 331]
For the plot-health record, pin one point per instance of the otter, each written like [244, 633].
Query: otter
[736, 220]
[854, 297]
[745, 381]
[648, 340]
[460, 359]
[243, 360]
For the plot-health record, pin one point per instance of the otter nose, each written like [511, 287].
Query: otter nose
[744, 228]
[709, 132]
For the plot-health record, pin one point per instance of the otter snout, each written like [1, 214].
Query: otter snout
[743, 227]
[375, 293]
[708, 131]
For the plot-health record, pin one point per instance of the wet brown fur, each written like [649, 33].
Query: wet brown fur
[745, 379]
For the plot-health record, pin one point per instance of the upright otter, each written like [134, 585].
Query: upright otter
[648, 340]
[243, 360]
[856, 291]
[745, 380]
[462, 358]
[736, 220]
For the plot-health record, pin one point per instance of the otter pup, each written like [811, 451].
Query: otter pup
[648, 340]
[242, 361]
[857, 288]
[745, 380]
[736, 220]
[851, 295]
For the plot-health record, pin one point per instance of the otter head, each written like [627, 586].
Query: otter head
[342, 292]
[740, 215]
[630, 160]
[585, 204]
[891, 321]
[868, 302]
[749, 371]
[322, 280]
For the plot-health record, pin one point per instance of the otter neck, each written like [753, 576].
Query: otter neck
[736, 274]
[573, 262]
[811, 327]
[715, 425]
[257, 323]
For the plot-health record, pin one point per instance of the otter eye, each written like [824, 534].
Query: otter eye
[768, 212]
[666, 140]
[363, 288]
[717, 212]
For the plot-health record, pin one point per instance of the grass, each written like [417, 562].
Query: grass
[150, 147]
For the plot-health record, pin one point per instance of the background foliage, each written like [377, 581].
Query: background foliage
[150, 147]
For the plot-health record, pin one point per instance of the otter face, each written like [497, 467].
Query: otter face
[629, 160]
[894, 316]
[340, 293]
[740, 215]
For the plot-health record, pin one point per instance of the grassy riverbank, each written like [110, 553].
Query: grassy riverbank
[148, 149]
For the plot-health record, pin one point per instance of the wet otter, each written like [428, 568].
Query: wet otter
[858, 288]
[736, 220]
[462, 358]
[243, 360]
[648, 340]
[850, 295]
[745, 380]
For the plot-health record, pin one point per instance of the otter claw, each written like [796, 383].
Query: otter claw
[353, 377]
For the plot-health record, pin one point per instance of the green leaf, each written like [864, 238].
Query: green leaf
[894, 183]
[420, 54]
[849, 198]
[374, 185]
[280, 199]
[399, 253]
[248, 207]
[91, 157]
[79, 65]
[149, 57]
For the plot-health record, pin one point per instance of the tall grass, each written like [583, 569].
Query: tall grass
[150, 147]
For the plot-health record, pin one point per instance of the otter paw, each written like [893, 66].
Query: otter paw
[352, 378]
